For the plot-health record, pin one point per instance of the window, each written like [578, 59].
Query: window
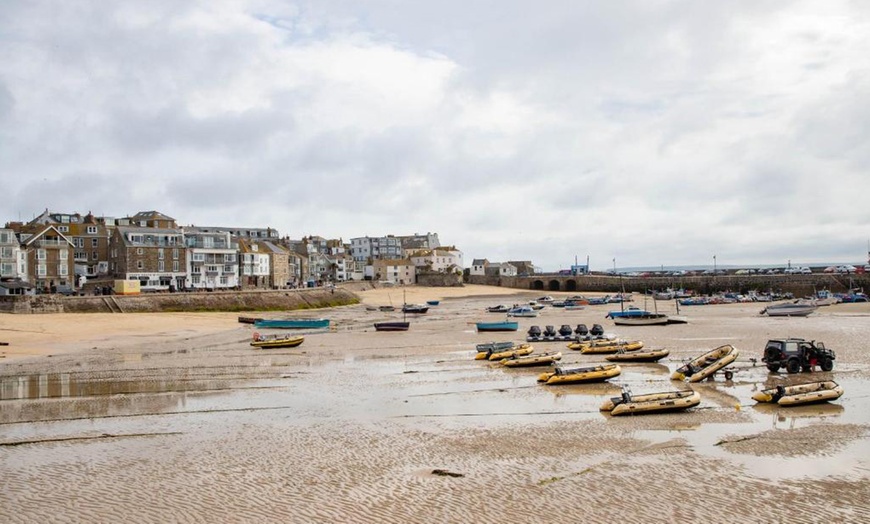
[95, 242]
[140, 251]
[160, 253]
[62, 270]
[6, 252]
[195, 279]
[175, 266]
[63, 254]
[63, 229]
[229, 269]
[196, 269]
[92, 230]
[160, 266]
[79, 242]
[175, 254]
[224, 281]
[95, 256]
[41, 270]
[7, 269]
[198, 257]
[4, 238]
[140, 264]
[229, 257]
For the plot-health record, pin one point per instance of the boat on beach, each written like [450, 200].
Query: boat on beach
[506, 325]
[707, 364]
[276, 341]
[501, 308]
[629, 404]
[522, 311]
[598, 373]
[415, 308]
[432, 302]
[392, 326]
[605, 345]
[543, 359]
[292, 323]
[789, 309]
[799, 394]
[650, 355]
[486, 349]
[248, 320]
[649, 319]
[513, 352]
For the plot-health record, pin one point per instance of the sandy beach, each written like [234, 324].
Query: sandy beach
[175, 418]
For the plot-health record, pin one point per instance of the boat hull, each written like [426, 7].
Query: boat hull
[272, 343]
[498, 326]
[653, 355]
[707, 364]
[580, 375]
[545, 359]
[648, 320]
[800, 394]
[652, 403]
[392, 326]
[312, 323]
[518, 351]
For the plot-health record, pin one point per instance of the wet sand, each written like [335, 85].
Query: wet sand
[175, 418]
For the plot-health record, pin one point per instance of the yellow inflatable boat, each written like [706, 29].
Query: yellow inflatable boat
[544, 359]
[650, 355]
[799, 394]
[629, 404]
[605, 346]
[707, 364]
[580, 375]
[516, 351]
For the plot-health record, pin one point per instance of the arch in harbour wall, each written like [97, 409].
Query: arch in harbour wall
[554, 285]
[570, 285]
[537, 285]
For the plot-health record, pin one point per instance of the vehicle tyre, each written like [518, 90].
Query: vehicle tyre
[773, 367]
[729, 375]
[793, 365]
[827, 364]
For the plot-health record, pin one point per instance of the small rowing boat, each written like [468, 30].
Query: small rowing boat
[293, 323]
[579, 375]
[276, 341]
[799, 394]
[498, 326]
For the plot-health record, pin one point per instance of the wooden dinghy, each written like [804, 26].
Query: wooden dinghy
[276, 341]
[799, 394]
[580, 375]
[707, 364]
[629, 404]
[544, 359]
[650, 355]
[487, 349]
[605, 346]
[516, 351]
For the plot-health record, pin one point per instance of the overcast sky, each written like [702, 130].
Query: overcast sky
[654, 132]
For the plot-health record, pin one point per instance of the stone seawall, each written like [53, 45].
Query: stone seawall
[800, 285]
[169, 302]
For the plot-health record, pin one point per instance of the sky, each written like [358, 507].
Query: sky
[634, 133]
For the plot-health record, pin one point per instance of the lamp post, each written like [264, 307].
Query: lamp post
[714, 265]
[614, 265]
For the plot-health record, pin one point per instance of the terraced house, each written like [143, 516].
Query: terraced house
[156, 257]
[49, 256]
[212, 261]
[13, 260]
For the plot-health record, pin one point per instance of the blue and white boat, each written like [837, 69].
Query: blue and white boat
[522, 311]
[631, 311]
[506, 325]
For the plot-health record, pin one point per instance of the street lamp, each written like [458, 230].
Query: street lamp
[714, 264]
[614, 265]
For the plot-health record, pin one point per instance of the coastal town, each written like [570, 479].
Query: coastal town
[71, 253]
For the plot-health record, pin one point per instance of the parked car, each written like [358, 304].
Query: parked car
[846, 268]
[797, 354]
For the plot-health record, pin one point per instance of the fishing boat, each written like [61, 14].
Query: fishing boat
[544, 359]
[392, 326]
[432, 302]
[790, 309]
[707, 364]
[650, 355]
[630, 311]
[522, 311]
[387, 308]
[605, 345]
[415, 308]
[516, 351]
[799, 394]
[629, 404]
[579, 375]
[293, 323]
[487, 349]
[276, 341]
[501, 308]
[506, 325]
[649, 319]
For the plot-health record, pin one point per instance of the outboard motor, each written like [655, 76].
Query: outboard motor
[565, 330]
[549, 331]
[597, 330]
[535, 331]
[582, 330]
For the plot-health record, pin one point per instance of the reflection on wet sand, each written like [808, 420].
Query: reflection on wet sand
[351, 429]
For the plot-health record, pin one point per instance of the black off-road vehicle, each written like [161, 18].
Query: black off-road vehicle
[797, 354]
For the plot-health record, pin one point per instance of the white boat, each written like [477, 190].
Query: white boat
[522, 311]
[649, 319]
[790, 309]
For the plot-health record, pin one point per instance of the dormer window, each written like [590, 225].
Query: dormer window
[92, 230]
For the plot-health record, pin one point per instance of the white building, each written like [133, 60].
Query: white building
[13, 259]
[442, 260]
[363, 249]
[212, 259]
[255, 267]
[478, 267]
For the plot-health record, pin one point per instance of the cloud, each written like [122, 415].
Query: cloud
[654, 133]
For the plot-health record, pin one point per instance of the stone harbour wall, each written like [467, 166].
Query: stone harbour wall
[281, 300]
